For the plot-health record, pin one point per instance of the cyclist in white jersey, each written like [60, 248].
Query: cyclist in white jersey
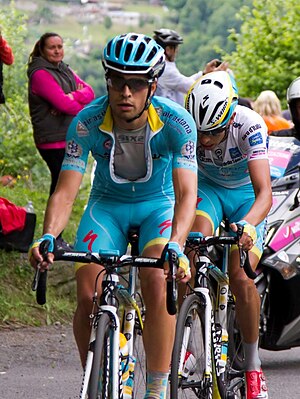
[234, 182]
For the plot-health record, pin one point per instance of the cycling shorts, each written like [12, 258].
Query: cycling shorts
[105, 225]
[217, 203]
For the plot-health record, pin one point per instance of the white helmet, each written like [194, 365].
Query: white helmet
[293, 92]
[211, 101]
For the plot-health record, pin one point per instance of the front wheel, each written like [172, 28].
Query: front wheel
[102, 369]
[188, 378]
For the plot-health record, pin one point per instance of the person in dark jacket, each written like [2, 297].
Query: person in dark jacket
[55, 94]
[293, 100]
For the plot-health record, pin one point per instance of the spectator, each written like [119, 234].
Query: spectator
[268, 106]
[6, 57]
[55, 94]
[173, 84]
[293, 100]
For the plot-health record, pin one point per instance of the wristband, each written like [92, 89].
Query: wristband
[182, 258]
[249, 229]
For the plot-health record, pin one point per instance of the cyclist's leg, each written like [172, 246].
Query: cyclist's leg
[244, 289]
[247, 299]
[98, 229]
[159, 328]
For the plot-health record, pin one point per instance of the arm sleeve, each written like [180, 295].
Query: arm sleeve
[177, 81]
[45, 86]
[6, 54]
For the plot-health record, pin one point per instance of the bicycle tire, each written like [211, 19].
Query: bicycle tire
[190, 323]
[232, 383]
[101, 373]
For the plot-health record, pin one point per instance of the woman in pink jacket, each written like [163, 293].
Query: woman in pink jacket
[55, 94]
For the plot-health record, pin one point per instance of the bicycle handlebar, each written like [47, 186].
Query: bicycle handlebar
[108, 259]
[206, 241]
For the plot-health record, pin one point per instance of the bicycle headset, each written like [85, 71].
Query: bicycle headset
[167, 37]
[211, 101]
[134, 53]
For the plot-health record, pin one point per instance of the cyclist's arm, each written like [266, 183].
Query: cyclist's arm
[260, 176]
[60, 204]
[58, 211]
[185, 187]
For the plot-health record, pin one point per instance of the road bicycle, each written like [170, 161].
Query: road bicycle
[119, 309]
[207, 354]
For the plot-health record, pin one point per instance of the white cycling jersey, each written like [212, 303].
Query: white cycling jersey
[173, 85]
[247, 141]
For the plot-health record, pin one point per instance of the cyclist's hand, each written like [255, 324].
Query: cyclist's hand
[184, 272]
[36, 258]
[249, 236]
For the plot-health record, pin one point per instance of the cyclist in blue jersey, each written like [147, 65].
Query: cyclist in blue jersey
[146, 178]
[234, 182]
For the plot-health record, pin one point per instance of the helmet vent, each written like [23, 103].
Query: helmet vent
[140, 52]
[118, 48]
[151, 55]
[128, 52]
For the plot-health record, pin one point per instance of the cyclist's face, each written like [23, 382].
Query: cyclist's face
[210, 142]
[53, 50]
[171, 53]
[127, 97]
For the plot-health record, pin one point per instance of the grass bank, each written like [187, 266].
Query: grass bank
[17, 301]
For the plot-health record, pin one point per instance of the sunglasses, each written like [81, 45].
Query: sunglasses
[134, 84]
[215, 132]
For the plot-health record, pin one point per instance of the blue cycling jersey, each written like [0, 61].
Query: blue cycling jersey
[116, 204]
[170, 143]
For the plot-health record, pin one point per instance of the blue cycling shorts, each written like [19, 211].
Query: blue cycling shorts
[216, 203]
[105, 224]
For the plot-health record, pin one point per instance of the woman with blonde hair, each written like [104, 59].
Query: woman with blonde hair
[268, 106]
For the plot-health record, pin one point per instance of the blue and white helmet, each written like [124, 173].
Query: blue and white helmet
[212, 100]
[134, 53]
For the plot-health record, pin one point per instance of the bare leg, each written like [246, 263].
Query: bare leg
[85, 277]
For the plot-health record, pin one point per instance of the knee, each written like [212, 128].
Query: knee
[243, 288]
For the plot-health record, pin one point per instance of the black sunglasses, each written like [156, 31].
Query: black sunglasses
[134, 84]
[215, 132]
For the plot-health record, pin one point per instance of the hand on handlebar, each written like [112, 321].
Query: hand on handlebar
[37, 258]
[183, 272]
[249, 236]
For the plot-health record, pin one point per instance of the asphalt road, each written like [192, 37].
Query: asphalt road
[40, 363]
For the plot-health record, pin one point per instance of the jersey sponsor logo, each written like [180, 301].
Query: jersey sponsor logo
[182, 122]
[73, 150]
[91, 237]
[255, 139]
[128, 138]
[81, 130]
[165, 225]
[219, 153]
[235, 153]
[251, 130]
[237, 125]
[258, 153]
[188, 150]
[94, 118]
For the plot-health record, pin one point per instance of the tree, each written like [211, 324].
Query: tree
[267, 52]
